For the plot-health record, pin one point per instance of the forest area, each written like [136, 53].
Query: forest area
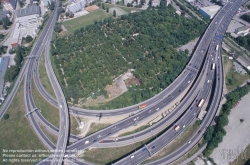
[146, 41]
[243, 41]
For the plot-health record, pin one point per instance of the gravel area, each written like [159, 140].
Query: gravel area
[238, 133]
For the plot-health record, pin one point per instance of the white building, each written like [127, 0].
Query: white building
[26, 23]
[76, 6]
[209, 11]
[155, 3]
[190, 0]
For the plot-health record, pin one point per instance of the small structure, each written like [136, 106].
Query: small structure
[9, 5]
[91, 8]
[242, 30]
[77, 6]
[4, 62]
[209, 11]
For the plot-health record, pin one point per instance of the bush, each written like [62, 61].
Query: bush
[12, 51]
[6, 116]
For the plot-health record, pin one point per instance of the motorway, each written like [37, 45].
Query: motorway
[156, 145]
[194, 65]
[112, 129]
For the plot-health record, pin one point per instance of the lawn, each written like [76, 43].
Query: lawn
[16, 132]
[85, 20]
[233, 79]
[49, 112]
[44, 77]
[125, 8]
[118, 10]
[136, 130]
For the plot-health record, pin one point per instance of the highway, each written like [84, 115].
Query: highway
[100, 137]
[156, 145]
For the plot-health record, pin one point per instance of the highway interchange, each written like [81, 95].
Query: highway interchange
[196, 90]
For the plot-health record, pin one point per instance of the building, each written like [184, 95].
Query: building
[91, 8]
[9, 5]
[76, 6]
[4, 62]
[209, 11]
[26, 23]
[190, 1]
[45, 3]
[242, 30]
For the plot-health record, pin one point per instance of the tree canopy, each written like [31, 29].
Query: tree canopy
[147, 42]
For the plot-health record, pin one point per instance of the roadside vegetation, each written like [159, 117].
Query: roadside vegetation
[233, 79]
[246, 17]
[243, 41]
[94, 56]
[16, 131]
[44, 77]
[136, 130]
[94, 127]
[215, 134]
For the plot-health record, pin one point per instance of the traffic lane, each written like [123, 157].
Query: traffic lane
[131, 121]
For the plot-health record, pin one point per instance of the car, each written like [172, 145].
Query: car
[86, 142]
[152, 148]
[109, 134]
[132, 156]
[94, 141]
[157, 109]
[116, 139]
[144, 149]
[199, 131]
[189, 141]
[184, 126]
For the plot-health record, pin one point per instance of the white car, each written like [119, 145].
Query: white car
[157, 109]
[132, 156]
[189, 141]
[87, 142]
[184, 126]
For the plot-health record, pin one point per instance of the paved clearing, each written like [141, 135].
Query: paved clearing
[238, 133]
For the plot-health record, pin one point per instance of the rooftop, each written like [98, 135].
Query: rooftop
[242, 29]
[4, 62]
[30, 10]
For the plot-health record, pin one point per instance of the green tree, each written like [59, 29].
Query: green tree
[57, 28]
[1, 36]
[103, 7]
[6, 116]
[28, 39]
[114, 13]
[11, 73]
[107, 9]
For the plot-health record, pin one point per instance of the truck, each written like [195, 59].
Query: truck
[217, 47]
[213, 66]
[176, 127]
[142, 105]
[201, 103]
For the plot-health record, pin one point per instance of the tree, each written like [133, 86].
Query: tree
[6, 116]
[11, 73]
[1, 36]
[107, 9]
[57, 28]
[114, 13]
[6, 21]
[67, 14]
[28, 39]
[103, 7]
[5, 27]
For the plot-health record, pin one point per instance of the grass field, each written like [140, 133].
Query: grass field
[125, 8]
[233, 79]
[85, 20]
[94, 127]
[16, 132]
[105, 156]
[44, 77]
[118, 10]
